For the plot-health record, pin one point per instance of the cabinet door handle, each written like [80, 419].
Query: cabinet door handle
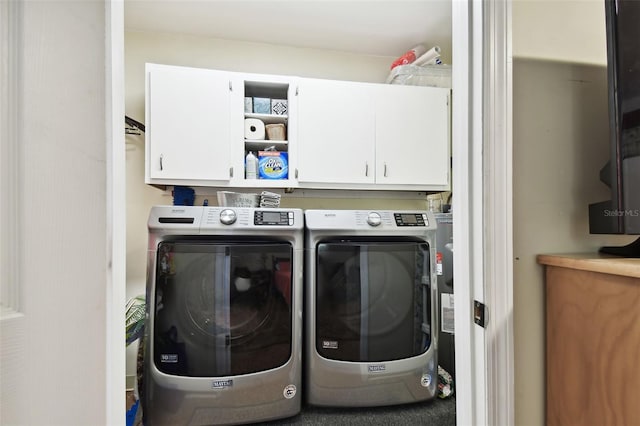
[230, 86]
[385, 169]
[296, 173]
[366, 168]
[230, 171]
[161, 168]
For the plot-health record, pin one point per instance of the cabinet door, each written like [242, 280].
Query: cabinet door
[187, 124]
[412, 136]
[335, 132]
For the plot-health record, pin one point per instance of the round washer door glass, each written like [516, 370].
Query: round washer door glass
[372, 300]
[222, 308]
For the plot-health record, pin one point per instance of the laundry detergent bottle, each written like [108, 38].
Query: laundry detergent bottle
[251, 166]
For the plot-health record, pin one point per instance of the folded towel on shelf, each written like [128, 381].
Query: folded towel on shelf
[269, 199]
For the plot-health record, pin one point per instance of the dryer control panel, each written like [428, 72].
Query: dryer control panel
[264, 217]
[409, 222]
[411, 219]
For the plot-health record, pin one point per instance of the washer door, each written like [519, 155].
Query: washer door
[372, 300]
[221, 307]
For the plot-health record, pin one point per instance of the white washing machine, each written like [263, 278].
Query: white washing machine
[370, 307]
[224, 315]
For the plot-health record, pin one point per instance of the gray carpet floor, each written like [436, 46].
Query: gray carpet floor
[437, 412]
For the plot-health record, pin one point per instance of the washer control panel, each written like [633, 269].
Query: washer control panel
[267, 217]
[411, 219]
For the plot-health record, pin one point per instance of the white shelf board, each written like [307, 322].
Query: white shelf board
[267, 118]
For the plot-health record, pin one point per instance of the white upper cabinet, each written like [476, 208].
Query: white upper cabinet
[361, 134]
[323, 133]
[412, 136]
[335, 132]
[187, 115]
[196, 131]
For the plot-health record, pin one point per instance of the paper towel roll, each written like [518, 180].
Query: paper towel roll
[429, 57]
[253, 128]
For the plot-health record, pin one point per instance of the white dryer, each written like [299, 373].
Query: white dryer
[223, 338]
[370, 309]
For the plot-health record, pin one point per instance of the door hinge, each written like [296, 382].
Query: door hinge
[480, 316]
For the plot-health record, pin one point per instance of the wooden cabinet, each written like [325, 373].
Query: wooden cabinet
[187, 132]
[592, 340]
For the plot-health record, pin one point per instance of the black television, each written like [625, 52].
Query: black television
[621, 213]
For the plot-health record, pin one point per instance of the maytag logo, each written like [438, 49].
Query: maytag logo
[220, 384]
[376, 368]
[330, 215]
[178, 210]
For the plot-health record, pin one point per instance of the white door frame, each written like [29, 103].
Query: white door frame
[482, 227]
[467, 210]
[482, 205]
[499, 211]
[116, 216]
[482, 185]
[482, 230]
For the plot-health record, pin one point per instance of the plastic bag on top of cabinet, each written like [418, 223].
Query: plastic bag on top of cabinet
[425, 75]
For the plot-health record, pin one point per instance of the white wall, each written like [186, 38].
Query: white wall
[559, 30]
[560, 137]
[228, 55]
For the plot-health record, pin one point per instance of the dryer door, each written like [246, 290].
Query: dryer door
[372, 299]
[222, 308]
